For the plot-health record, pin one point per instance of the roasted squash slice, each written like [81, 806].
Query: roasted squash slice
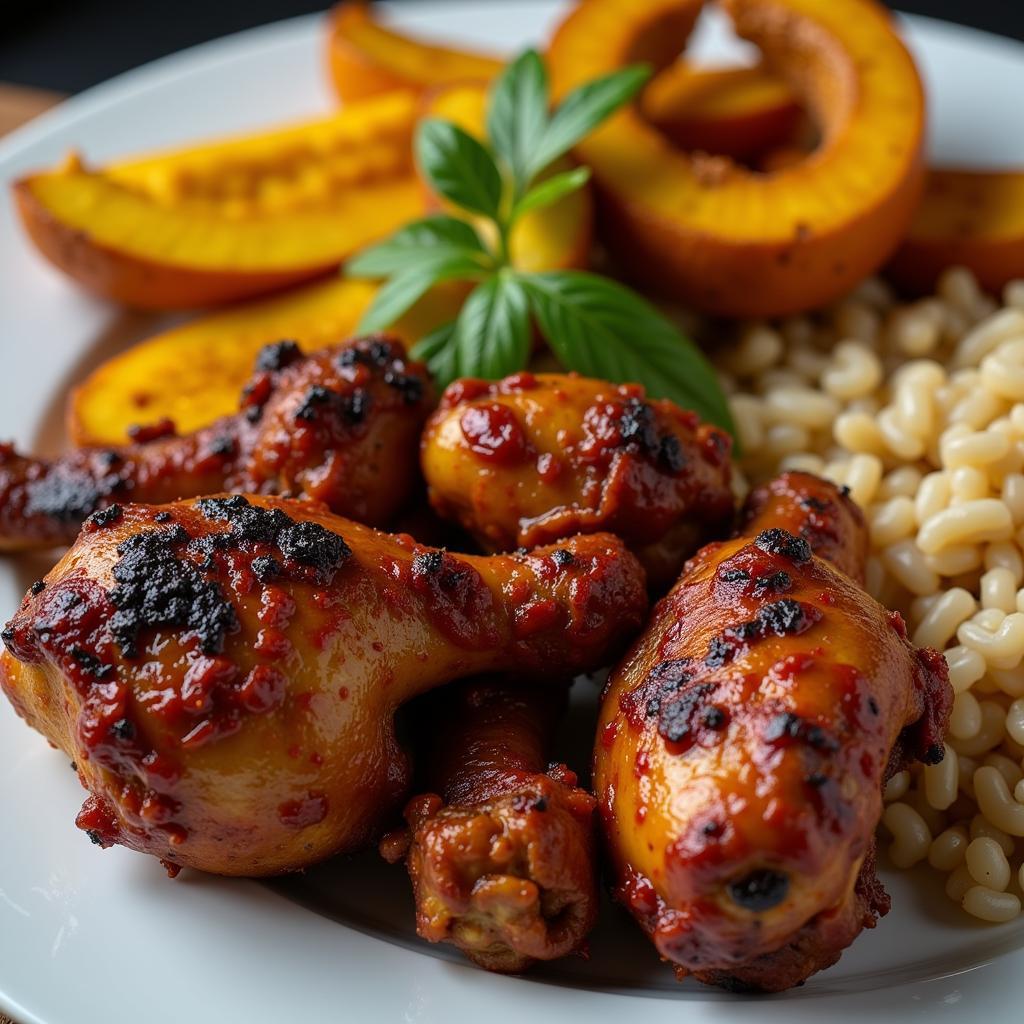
[366, 58]
[230, 219]
[553, 237]
[739, 112]
[194, 373]
[725, 239]
[973, 219]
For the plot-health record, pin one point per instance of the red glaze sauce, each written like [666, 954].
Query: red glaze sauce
[98, 821]
[146, 432]
[792, 665]
[537, 617]
[467, 389]
[494, 433]
[458, 601]
[609, 734]
[636, 892]
[523, 381]
[310, 810]
[549, 468]
[272, 643]
[264, 690]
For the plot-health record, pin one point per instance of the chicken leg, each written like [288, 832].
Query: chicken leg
[224, 672]
[744, 741]
[536, 457]
[502, 862]
[339, 426]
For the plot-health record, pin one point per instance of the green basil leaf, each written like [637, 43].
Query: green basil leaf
[434, 239]
[398, 293]
[602, 329]
[550, 191]
[517, 114]
[584, 109]
[438, 352]
[458, 166]
[492, 334]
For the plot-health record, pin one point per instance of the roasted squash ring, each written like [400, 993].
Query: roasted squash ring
[732, 241]
[740, 112]
[972, 219]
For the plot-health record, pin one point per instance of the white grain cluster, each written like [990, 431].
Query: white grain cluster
[919, 409]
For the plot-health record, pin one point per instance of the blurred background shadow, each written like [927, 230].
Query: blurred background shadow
[69, 45]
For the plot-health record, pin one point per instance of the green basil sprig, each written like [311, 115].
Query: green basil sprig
[593, 325]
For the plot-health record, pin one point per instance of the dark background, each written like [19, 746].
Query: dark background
[69, 45]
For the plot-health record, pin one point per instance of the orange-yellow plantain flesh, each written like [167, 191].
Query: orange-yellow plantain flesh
[229, 219]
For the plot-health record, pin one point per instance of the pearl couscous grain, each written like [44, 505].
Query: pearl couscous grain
[918, 408]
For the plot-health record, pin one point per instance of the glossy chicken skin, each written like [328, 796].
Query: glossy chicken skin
[339, 426]
[501, 856]
[537, 457]
[814, 511]
[744, 742]
[224, 671]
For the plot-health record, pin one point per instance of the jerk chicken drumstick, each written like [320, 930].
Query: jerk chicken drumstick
[339, 426]
[534, 458]
[224, 672]
[744, 742]
[502, 862]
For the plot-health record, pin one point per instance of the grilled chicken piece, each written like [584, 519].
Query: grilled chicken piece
[339, 426]
[502, 855]
[537, 457]
[224, 672]
[744, 742]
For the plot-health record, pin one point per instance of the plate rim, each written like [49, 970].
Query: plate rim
[160, 74]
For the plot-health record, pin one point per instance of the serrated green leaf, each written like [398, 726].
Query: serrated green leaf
[602, 329]
[550, 191]
[584, 109]
[398, 293]
[492, 334]
[458, 167]
[517, 114]
[435, 239]
[437, 350]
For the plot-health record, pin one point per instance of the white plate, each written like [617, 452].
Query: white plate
[88, 936]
